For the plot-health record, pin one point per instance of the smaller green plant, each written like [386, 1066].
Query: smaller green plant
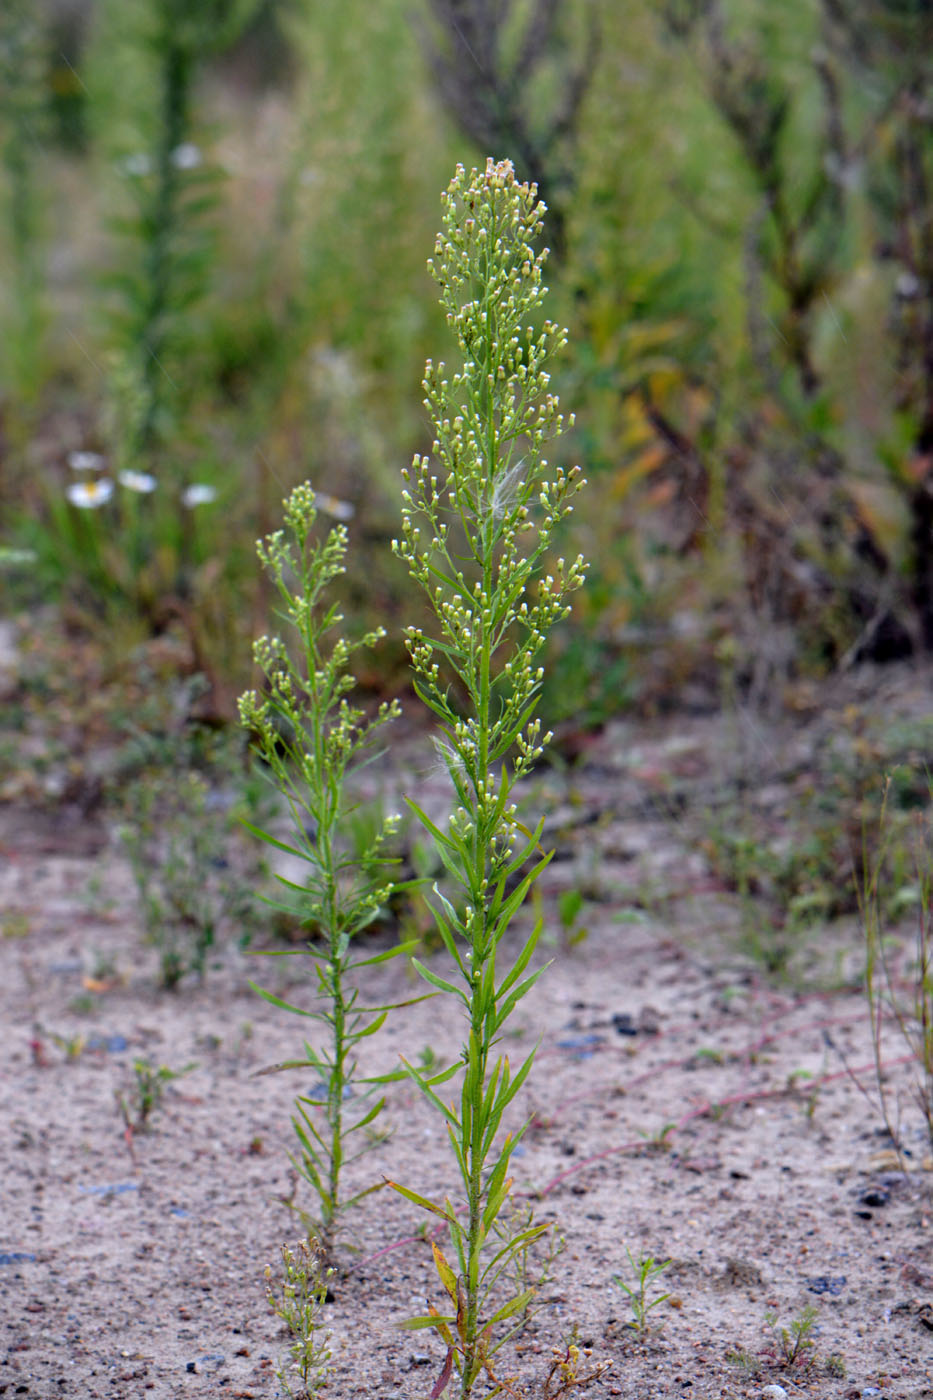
[741, 1357]
[645, 1271]
[569, 908]
[533, 1260]
[660, 1139]
[297, 1298]
[145, 1095]
[71, 1046]
[835, 1366]
[908, 1006]
[311, 739]
[186, 886]
[793, 1345]
[16, 925]
[84, 1004]
[568, 1370]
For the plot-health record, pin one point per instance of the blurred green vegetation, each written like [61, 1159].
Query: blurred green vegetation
[214, 221]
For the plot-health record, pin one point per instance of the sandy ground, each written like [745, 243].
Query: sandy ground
[683, 1106]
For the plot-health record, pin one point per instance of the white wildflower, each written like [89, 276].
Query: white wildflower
[140, 482]
[88, 495]
[198, 494]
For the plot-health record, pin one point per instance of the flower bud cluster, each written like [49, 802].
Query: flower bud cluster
[308, 732]
[479, 512]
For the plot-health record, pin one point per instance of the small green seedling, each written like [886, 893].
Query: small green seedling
[72, 1046]
[660, 1139]
[794, 1344]
[145, 1096]
[645, 1270]
[298, 1299]
[569, 907]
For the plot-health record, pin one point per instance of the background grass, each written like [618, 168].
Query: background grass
[741, 215]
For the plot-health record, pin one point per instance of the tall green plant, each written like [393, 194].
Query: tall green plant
[477, 534]
[311, 738]
[165, 259]
[21, 129]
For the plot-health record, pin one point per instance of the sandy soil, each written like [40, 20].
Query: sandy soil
[683, 1106]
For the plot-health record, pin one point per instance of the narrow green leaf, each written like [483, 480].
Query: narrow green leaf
[510, 1089]
[367, 1191]
[508, 1006]
[372, 1028]
[279, 845]
[516, 899]
[364, 1122]
[418, 1324]
[285, 1005]
[521, 962]
[517, 1305]
[514, 1243]
[439, 982]
[442, 840]
[424, 1085]
[417, 1200]
[399, 950]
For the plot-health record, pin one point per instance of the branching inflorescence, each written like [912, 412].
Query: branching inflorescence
[477, 531]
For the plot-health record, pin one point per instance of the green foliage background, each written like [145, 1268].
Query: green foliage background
[742, 200]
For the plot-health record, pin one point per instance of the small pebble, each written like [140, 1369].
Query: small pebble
[825, 1284]
[112, 1043]
[774, 1392]
[582, 1045]
[116, 1190]
[318, 1092]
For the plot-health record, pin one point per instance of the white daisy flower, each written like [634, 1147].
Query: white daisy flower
[198, 495]
[88, 495]
[186, 156]
[141, 482]
[85, 461]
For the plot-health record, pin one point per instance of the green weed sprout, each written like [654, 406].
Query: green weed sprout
[146, 1094]
[302, 1295]
[795, 1342]
[310, 737]
[183, 882]
[477, 531]
[645, 1270]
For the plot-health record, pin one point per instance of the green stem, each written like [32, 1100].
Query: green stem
[176, 85]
